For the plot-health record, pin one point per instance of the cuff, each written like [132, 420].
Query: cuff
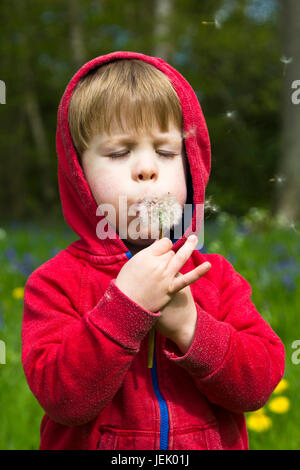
[208, 349]
[120, 318]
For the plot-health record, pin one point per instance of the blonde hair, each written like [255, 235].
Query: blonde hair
[130, 87]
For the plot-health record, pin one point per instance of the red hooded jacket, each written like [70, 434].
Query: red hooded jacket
[85, 343]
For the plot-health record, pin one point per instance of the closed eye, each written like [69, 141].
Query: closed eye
[119, 155]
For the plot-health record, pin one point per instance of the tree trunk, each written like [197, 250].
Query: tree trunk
[78, 52]
[288, 194]
[161, 32]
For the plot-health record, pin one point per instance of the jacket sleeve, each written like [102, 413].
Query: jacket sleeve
[74, 364]
[236, 360]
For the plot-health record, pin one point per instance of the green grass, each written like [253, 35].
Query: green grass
[265, 253]
[22, 249]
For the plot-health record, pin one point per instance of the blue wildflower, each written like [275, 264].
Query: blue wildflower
[55, 251]
[231, 258]
[289, 282]
[288, 264]
[10, 253]
[279, 249]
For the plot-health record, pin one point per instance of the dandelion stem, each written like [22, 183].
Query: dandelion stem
[165, 212]
[152, 331]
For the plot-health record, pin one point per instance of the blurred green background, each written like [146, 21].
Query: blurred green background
[241, 58]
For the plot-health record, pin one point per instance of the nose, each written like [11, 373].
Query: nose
[146, 169]
[147, 174]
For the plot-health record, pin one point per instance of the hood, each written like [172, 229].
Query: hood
[78, 204]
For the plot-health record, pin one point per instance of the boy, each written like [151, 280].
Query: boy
[124, 122]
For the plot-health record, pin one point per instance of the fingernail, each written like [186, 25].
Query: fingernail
[192, 238]
[206, 265]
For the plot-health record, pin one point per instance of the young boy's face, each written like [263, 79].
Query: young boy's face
[135, 166]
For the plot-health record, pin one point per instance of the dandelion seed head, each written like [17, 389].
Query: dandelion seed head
[163, 212]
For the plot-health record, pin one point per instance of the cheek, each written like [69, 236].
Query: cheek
[182, 193]
[101, 187]
[180, 183]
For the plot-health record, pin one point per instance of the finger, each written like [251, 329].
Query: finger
[182, 255]
[179, 282]
[168, 256]
[161, 246]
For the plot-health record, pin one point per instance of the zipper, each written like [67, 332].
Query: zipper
[164, 415]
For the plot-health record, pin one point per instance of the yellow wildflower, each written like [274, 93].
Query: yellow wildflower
[258, 421]
[260, 411]
[283, 385]
[279, 405]
[18, 292]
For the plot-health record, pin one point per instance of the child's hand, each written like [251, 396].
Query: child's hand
[179, 316]
[149, 277]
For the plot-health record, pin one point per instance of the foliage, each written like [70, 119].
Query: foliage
[233, 65]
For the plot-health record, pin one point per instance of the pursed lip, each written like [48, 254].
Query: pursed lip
[150, 197]
[154, 198]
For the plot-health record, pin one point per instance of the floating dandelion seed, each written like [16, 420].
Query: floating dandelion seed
[277, 179]
[209, 206]
[189, 133]
[216, 23]
[164, 213]
[219, 18]
[230, 114]
[285, 60]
